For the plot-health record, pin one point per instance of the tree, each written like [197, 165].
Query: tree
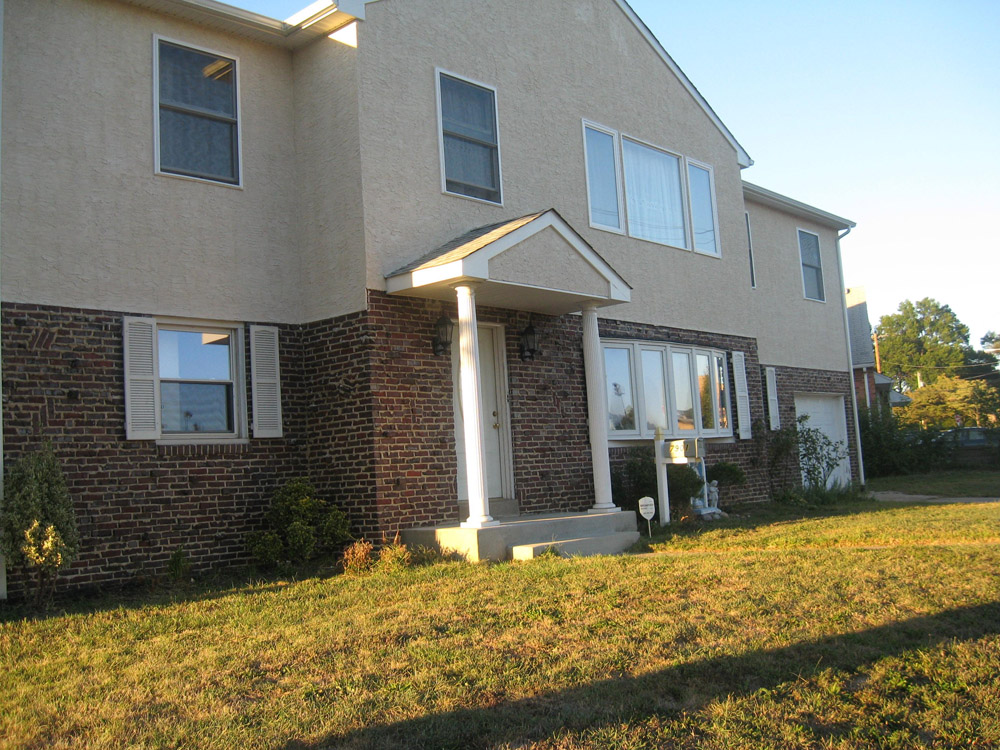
[921, 342]
[953, 402]
[991, 342]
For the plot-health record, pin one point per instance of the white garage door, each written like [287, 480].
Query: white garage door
[826, 413]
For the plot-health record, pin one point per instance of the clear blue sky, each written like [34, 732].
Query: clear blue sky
[883, 111]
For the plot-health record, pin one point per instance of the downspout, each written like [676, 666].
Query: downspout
[3, 566]
[850, 360]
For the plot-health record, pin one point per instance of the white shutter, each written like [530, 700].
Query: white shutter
[772, 397]
[265, 381]
[142, 397]
[742, 395]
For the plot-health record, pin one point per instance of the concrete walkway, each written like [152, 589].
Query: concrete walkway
[900, 497]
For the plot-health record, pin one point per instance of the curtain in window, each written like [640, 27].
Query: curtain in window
[654, 196]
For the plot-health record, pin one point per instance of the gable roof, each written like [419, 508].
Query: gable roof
[513, 272]
[742, 157]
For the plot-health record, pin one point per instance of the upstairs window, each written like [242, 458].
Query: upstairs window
[470, 145]
[197, 127]
[812, 266]
[668, 198]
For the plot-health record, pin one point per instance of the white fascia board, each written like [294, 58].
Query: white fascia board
[318, 19]
[742, 157]
[783, 203]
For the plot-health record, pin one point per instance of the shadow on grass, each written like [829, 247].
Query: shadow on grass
[663, 693]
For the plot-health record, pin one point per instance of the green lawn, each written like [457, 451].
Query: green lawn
[853, 628]
[954, 483]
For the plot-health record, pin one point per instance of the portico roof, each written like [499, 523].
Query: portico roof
[536, 262]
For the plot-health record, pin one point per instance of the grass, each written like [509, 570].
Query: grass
[954, 483]
[847, 628]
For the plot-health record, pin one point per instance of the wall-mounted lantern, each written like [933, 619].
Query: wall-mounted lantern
[443, 330]
[528, 343]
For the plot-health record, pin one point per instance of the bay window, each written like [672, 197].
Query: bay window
[681, 390]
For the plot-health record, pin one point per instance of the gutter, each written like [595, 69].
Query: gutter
[850, 359]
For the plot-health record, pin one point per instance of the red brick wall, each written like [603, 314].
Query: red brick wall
[136, 502]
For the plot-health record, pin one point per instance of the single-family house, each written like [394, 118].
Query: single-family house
[447, 258]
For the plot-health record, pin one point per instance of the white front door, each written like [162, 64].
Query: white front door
[495, 421]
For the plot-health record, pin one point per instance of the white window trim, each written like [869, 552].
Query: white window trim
[623, 197]
[715, 207]
[619, 182]
[238, 185]
[635, 347]
[237, 363]
[438, 72]
[822, 275]
[753, 268]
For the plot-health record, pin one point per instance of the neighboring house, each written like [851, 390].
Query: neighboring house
[231, 249]
[872, 388]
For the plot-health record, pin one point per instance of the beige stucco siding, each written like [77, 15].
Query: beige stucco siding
[87, 223]
[792, 330]
[328, 160]
[553, 64]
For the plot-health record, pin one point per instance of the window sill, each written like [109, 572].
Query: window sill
[203, 180]
[201, 447]
[474, 198]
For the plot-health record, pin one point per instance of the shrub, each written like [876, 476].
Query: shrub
[819, 456]
[635, 477]
[179, 567]
[301, 527]
[890, 447]
[725, 473]
[358, 558]
[37, 523]
[393, 556]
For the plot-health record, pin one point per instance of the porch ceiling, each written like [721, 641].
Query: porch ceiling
[536, 263]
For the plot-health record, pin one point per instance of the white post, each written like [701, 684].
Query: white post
[660, 458]
[597, 412]
[468, 372]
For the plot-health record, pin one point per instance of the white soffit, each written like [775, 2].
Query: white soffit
[742, 157]
[317, 20]
[468, 257]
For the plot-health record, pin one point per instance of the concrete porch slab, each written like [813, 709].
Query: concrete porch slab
[497, 542]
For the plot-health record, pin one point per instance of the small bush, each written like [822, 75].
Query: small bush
[179, 567]
[819, 456]
[358, 558]
[393, 556]
[424, 555]
[37, 522]
[817, 496]
[891, 448]
[635, 477]
[726, 474]
[301, 527]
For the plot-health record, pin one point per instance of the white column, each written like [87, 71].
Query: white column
[472, 409]
[597, 412]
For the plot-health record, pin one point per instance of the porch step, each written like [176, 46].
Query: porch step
[606, 544]
[574, 533]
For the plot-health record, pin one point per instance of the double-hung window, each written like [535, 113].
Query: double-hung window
[649, 193]
[185, 381]
[197, 117]
[681, 390]
[470, 142]
[812, 266]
